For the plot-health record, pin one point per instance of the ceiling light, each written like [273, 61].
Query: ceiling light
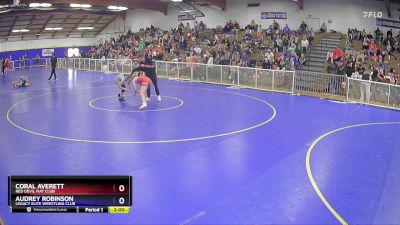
[119, 8]
[176, 0]
[74, 5]
[36, 5]
[20, 31]
[85, 28]
[53, 28]
[33, 5]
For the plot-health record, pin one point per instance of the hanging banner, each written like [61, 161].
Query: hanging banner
[47, 52]
[186, 17]
[274, 15]
[388, 23]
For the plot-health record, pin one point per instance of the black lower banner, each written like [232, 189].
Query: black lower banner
[80, 209]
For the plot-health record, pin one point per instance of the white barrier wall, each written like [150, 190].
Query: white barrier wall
[343, 13]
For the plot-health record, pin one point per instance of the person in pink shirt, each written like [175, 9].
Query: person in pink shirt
[372, 47]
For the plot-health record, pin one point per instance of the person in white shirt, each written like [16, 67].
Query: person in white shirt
[197, 50]
[269, 55]
[210, 60]
[304, 44]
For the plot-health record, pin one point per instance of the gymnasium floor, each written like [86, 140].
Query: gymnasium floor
[206, 154]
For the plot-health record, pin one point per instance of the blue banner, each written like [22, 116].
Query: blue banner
[274, 15]
[388, 23]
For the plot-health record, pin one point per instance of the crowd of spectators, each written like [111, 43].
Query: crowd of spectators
[276, 47]
[369, 62]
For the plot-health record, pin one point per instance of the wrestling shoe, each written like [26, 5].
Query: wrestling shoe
[143, 106]
[159, 98]
[147, 99]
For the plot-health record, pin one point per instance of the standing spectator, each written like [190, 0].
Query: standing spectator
[37, 60]
[389, 34]
[3, 66]
[53, 62]
[302, 60]
[377, 33]
[374, 73]
[303, 27]
[389, 50]
[244, 60]
[365, 85]
[275, 25]
[235, 56]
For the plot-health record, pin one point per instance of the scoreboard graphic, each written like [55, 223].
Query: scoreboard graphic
[70, 194]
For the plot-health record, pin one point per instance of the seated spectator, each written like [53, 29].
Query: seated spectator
[330, 57]
[269, 31]
[323, 28]
[266, 64]
[197, 50]
[304, 44]
[286, 30]
[372, 48]
[269, 55]
[395, 76]
[366, 42]
[228, 27]
[338, 54]
[210, 60]
[396, 45]
[252, 26]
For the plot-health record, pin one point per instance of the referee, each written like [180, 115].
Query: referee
[53, 62]
[150, 70]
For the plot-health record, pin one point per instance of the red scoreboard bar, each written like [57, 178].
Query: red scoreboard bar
[70, 194]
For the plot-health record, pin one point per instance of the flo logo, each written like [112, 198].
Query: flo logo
[372, 14]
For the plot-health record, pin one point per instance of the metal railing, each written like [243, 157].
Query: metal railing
[102, 65]
[324, 85]
[300, 82]
[273, 80]
[35, 63]
[373, 93]
[40, 62]
[22, 64]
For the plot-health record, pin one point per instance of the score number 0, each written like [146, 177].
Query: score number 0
[121, 200]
